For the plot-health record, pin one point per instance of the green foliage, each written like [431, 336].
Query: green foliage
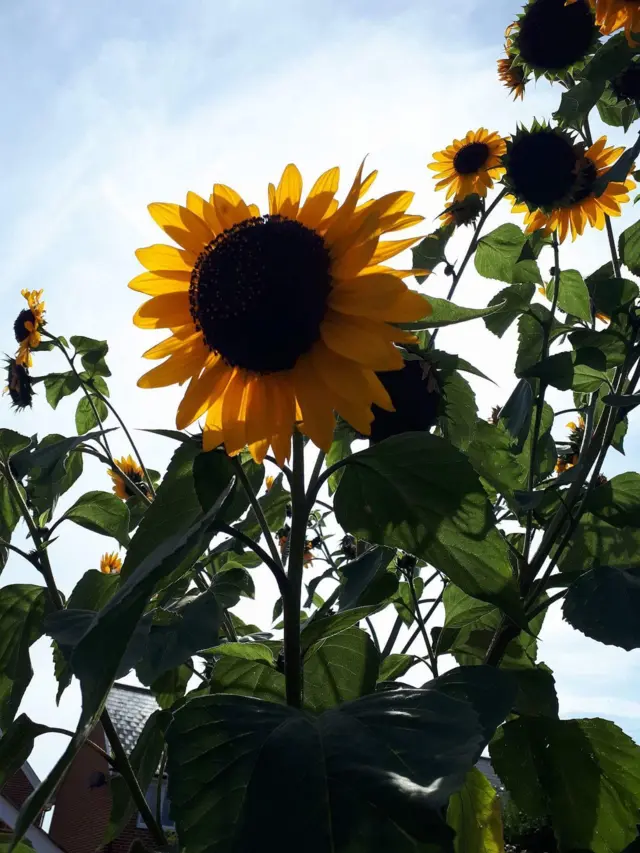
[16, 745]
[603, 603]
[439, 512]
[367, 580]
[429, 253]
[583, 774]
[573, 295]
[445, 313]
[629, 247]
[475, 815]
[90, 413]
[101, 512]
[59, 385]
[504, 255]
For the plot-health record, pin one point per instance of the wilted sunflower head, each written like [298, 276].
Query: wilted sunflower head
[280, 319]
[553, 181]
[551, 37]
[494, 417]
[612, 15]
[463, 212]
[110, 564]
[626, 85]
[470, 165]
[128, 466]
[27, 326]
[415, 394]
[19, 385]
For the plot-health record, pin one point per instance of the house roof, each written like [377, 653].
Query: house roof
[129, 708]
[39, 839]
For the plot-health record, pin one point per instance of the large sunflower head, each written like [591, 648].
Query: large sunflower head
[27, 326]
[415, 394]
[128, 466]
[278, 319]
[552, 37]
[469, 165]
[553, 181]
[19, 385]
[612, 15]
[110, 564]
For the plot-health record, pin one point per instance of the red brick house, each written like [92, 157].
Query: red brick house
[83, 801]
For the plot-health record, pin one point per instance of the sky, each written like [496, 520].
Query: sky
[112, 106]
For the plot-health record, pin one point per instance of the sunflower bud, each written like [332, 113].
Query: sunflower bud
[19, 385]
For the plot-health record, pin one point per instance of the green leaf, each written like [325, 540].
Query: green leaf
[101, 512]
[618, 500]
[597, 543]
[515, 415]
[213, 468]
[603, 604]
[404, 603]
[366, 579]
[429, 253]
[10, 513]
[44, 491]
[343, 437]
[274, 507]
[475, 815]
[372, 764]
[610, 59]
[458, 409]
[11, 443]
[144, 758]
[339, 669]
[16, 745]
[577, 102]
[22, 611]
[418, 493]
[583, 370]
[498, 256]
[616, 113]
[609, 294]
[92, 353]
[622, 400]
[59, 385]
[619, 434]
[512, 301]
[608, 341]
[171, 686]
[320, 627]
[86, 419]
[573, 295]
[629, 247]
[395, 666]
[445, 313]
[48, 458]
[584, 774]
[531, 338]
[244, 651]
[536, 691]
[449, 362]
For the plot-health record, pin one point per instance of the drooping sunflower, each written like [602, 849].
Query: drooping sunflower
[281, 318]
[552, 180]
[469, 165]
[415, 394]
[626, 85]
[19, 385]
[110, 564]
[128, 466]
[551, 37]
[463, 212]
[613, 15]
[27, 326]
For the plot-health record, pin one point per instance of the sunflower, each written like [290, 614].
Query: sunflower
[612, 15]
[281, 318]
[514, 76]
[269, 481]
[626, 85]
[19, 385]
[553, 181]
[570, 457]
[415, 394]
[128, 466]
[27, 326]
[464, 212]
[469, 165]
[552, 38]
[110, 564]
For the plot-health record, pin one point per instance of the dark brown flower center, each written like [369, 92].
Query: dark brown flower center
[19, 385]
[552, 36]
[626, 85]
[19, 327]
[415, 393]
[541, 168]
[259, 292]
[471, 158]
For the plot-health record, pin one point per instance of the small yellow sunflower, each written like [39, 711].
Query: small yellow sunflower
[278, 319]
[552, 179]
[110, 564]
[565, 462]
[469, 165]
[127, 465]
[612, 15]
[570, 458]
[269, 481]
[19, 385]
[513, 76]
[27, 326]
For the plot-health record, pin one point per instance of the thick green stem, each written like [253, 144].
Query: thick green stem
[292, 599]
[422, 628]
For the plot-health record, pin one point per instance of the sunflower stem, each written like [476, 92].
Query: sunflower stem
[473, 245]
[255, 506]
[292, 600]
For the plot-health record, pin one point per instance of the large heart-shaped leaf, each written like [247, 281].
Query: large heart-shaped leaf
[604, 604]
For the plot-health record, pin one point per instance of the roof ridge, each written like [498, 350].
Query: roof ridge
[132, 688]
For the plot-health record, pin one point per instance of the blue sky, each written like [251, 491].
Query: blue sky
[114, 105]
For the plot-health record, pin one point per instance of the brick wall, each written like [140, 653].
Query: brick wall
[17, 789]
[82, 809]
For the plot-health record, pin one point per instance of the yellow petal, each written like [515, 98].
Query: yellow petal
[205, 211]
[182, 225]
[320, 197]
[169, 346]
[229, 206]
[363, 341]
[315, 404]
[155, 285]
[163, 312]
[289, 191]
[176, 369]
[159, 257]
[202, 393]
[390, 248]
